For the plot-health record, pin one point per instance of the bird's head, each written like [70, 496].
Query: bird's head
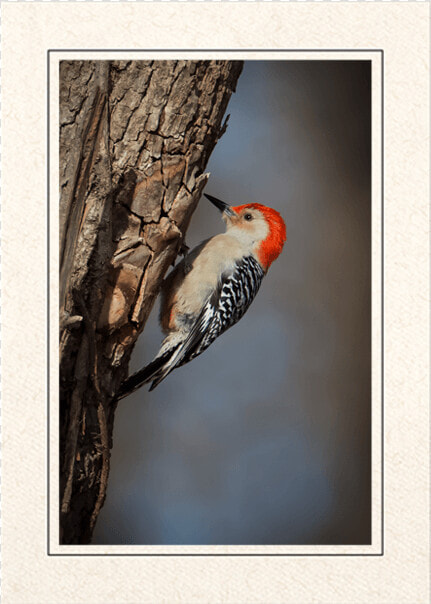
[259, 228]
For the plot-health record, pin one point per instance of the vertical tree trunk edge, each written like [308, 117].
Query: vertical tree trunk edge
[135, 138]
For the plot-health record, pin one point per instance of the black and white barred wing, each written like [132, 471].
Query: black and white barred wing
[234, 294]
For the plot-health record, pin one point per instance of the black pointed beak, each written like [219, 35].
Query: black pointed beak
[221, 205]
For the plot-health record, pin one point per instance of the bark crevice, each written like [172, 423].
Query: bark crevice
[135, 138]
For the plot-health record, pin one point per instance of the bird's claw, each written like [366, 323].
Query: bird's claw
[184, 249]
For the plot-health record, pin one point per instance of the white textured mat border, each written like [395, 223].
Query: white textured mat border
[30, 575]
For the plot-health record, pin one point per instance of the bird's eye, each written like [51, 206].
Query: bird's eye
[248, 217]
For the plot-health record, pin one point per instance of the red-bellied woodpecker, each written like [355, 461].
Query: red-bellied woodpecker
[212, 287]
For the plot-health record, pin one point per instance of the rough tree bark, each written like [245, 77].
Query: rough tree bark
[135, 137]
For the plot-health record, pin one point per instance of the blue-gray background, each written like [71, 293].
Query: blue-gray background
[265, 438]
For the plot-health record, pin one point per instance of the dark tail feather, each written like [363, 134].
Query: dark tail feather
[148, 373]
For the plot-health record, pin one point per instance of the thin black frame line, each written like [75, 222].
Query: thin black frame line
[378, 554]
[355, 50]
[48, 302]
[382, 302]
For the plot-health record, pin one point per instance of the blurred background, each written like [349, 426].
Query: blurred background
[265, 438]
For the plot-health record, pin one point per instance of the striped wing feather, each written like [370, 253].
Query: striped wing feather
[233, 296]
[235, 292]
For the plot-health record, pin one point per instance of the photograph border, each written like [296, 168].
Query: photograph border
[382, 278]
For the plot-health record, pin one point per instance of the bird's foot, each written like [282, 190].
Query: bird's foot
[184, 249]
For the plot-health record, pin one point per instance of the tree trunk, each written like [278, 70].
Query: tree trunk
[135, 138]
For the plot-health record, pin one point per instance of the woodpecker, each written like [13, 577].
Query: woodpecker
[212, 287]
